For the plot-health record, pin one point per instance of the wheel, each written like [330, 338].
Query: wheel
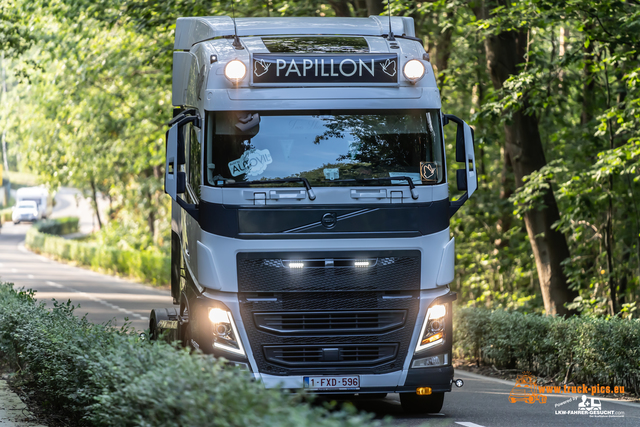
[16, 222]
[543, 399]
[530, 400]
[414, 404]
[153, 326]
[161, 320]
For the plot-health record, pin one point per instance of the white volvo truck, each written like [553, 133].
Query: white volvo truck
[310, 218]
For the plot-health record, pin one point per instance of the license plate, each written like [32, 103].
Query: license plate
[351, 382]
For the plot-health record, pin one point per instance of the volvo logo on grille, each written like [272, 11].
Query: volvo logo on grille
[329, 220]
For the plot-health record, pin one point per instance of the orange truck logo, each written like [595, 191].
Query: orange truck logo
[526, 390]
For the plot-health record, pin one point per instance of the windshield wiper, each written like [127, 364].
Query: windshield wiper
[312, 195]
[412, 186]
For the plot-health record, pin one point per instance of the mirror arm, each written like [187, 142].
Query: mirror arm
[457, 204]
[191, 209]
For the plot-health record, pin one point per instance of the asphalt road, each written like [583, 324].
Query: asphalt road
[481, 402]
[101, 297]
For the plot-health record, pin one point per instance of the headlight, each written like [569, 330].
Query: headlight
[433, 327]
[225, 334]
[235, 70]
[414, 70]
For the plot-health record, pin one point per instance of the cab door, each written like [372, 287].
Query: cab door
[190, 226]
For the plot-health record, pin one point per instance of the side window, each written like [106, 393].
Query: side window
[194, 169]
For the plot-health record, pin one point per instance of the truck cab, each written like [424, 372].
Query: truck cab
[310, 205]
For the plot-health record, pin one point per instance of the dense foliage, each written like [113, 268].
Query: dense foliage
[58, 226]
[147, 265]
[89, 93]
[112, 377]
[583, 350]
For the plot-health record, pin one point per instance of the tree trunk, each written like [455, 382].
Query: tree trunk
[443, 53]
[340, 7]
[94, 198]
[588, 87]
[523, 146]
[375, 7]
[360, 7]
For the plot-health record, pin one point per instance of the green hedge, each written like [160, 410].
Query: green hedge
[148, 266]
[5, 215]
[112, 377]
[59, 226]
[595, 350]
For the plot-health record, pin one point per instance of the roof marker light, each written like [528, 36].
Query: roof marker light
[414, 70]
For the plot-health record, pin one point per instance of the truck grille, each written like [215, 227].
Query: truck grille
[319, 355]
[333, 322]
[301, 333]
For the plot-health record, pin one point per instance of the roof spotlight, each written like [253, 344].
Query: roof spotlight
[414, 70]
[235, 70]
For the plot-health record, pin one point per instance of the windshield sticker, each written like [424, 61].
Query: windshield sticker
[331, 173]
[428, 172]
[253, 163]
[415, 177]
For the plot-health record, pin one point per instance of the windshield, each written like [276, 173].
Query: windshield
[325, 147]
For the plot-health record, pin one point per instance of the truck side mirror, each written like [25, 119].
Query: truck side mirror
[467, 178]
[175, 180]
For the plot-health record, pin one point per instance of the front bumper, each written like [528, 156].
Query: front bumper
[438, 378]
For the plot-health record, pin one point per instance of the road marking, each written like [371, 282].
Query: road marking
[54, 284]
[468, 424]
[96, 299]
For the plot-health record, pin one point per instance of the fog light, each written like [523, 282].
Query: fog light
[427, 362]
[235, 70]
[423, 391]
[296, 264]
[414, 70]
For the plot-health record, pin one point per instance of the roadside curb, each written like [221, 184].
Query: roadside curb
[13, 411]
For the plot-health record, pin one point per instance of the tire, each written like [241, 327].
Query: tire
[414, 404]
[155, 317]
[153, 326]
